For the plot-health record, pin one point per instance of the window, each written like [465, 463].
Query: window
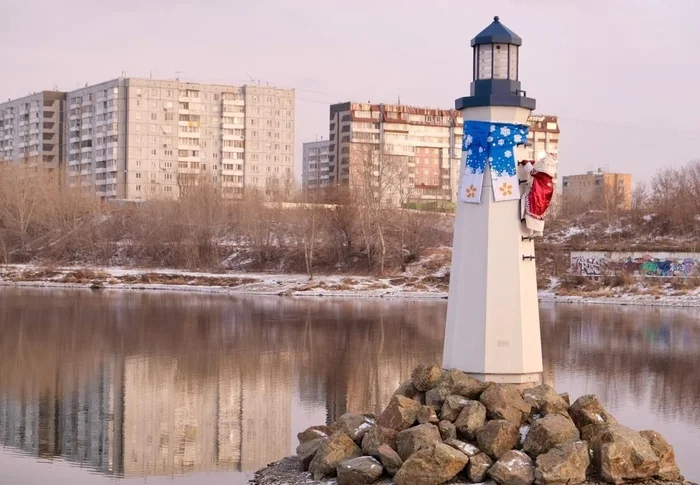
[138, 175]
[216, 97]
[168, 153]
[138, 163]
[138, 188]
[153, 128]
[154, 152]
[154, 117]
[137, 115]
[215, 155]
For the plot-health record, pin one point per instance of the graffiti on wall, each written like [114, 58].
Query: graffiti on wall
[593, 263]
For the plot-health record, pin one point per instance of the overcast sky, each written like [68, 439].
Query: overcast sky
[623, 76]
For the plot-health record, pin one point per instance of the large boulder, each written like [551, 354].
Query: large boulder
[400, 414]
[428, 415]
[504, 401]
[545, 400]
[621, 454]
[376, 437]
[513, 468]
[453, 382]
[314, 432]
[497, 437]
[354, 425]
[587, 410]
[564, 464]
[668, 470]
[466, 448]
[478, 467]
[359, 471]
[470, 419]
[336, 449]
[547, 432]
[431, 466]
[390, 459]
[426, 376]
[413, 439]
[452, 406]
[447, 430]
[307, 450]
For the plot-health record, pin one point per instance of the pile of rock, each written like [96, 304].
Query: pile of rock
[445, 426]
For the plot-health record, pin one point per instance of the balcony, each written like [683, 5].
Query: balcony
[239, 126]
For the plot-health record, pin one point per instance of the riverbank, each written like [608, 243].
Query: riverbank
[409, 286]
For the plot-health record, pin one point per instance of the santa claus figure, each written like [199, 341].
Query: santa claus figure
[538, 197]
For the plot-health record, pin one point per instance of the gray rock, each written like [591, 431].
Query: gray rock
[466, 448]
[376, 437]
[454, 382]
[545, 400]
[431, 466]
[359, 471]
[497, 437]
[315, 432]
[354, 425]
[470, 419]
[413, 439]
[563, 464]
[307, 450]
[400, 414]
[513, 468]
[447, 430]
[452, 406]
[547, 432]
[428, 415]
[621, 454]
[407, 389]
[478, 467]
[504, 401]
[390, 459]
[336, 449]
[587, 410]
[668, 469]
[436, 396]
[426, 376]
[566, 398]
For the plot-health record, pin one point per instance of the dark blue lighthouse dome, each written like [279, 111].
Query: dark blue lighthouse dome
[497, 33]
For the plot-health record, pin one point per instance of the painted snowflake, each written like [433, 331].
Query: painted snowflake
[493, 128]
[505, 131]
[518, 138]
[501, 142]
[508, 154]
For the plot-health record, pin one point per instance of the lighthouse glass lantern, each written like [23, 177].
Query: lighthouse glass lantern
[496, 53]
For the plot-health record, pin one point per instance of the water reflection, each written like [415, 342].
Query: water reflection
[141, 384]
[150, 384]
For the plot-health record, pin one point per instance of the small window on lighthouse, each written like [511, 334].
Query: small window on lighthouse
[513, 63]
[485, 61]
[500, 61]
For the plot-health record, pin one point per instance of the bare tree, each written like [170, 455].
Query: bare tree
[21, 193]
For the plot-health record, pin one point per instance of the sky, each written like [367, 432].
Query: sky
[622, 75]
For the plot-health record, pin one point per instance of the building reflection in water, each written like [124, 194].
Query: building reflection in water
[136, 384]
[150, 384]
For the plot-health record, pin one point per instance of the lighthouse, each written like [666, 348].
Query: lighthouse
[493, 325]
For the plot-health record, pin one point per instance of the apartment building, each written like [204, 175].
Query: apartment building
[315, 168]
[138, 139]
[543, 136]
[31, 130]
[597, 190]
[425, 142]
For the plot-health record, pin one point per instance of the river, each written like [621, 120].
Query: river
[145, 387]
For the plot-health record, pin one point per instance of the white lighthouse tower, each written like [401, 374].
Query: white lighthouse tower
[493, 324]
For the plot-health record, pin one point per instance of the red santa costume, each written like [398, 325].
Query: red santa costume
[536, 201]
